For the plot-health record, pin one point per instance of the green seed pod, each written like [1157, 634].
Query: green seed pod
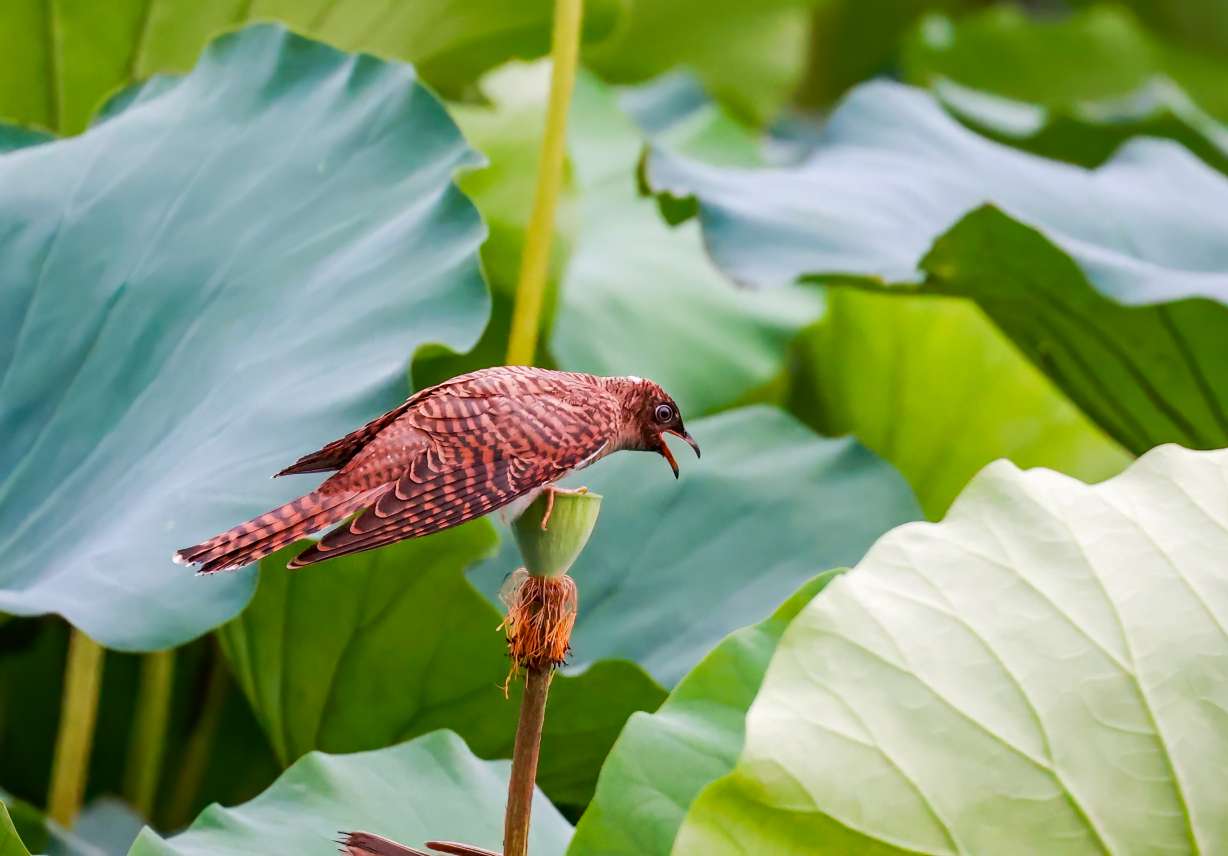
[551, 551]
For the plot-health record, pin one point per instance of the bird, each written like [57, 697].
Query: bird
[483, 441]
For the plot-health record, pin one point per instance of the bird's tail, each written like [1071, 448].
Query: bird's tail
[251, 541]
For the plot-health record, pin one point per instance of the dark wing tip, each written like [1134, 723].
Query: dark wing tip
[455, 848]
[309, 556]
[369, 844]
[192, 557]
[308, 464]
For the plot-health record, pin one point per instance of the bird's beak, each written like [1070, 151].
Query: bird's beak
[669, 456]
[689, 440]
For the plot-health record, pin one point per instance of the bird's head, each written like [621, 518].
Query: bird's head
[650, 415]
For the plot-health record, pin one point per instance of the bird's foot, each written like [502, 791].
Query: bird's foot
[550, 494]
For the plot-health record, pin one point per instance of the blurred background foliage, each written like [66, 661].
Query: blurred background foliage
[930, 388]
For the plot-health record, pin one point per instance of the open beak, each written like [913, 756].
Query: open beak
[690, 441]
[669, 456]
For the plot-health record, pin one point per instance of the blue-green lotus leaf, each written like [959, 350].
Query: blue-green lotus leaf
[675, 566]
[229, 272]
[1114, 280]
[428, 788]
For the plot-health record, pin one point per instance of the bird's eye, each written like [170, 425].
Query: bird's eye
[664, 413]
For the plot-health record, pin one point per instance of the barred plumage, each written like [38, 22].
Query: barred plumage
[451, 453]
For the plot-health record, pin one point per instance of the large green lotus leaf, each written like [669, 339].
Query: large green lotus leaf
[1201, 24]
[1074, 88]
[933, 387]
[379, 647]
[750, 55]
[14, 137]
[1095, 55]
[1042, 672]
[674, 567]
[22, 826]
[10, 841]
[230, 272]
[105, 827]
[662, 760]
[1112, 280]
[63, 58]
[429, 788]
[851, 40]
[676, 111]
[1089, 133]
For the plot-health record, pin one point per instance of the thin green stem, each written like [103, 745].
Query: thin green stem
[530, 290]
[78, 710]
[199, 748]
[148, 740]
[813, 89]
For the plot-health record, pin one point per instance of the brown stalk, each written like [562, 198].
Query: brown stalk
[541, 613]
[522, 784]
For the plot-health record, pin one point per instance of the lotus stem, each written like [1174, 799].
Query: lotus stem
[542, 602]
[148, 741]
[196, 754]
[534, 263]
[523, 781]
[78, 711]
[814, 90]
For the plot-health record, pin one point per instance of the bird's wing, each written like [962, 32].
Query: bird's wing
[480, 458]
[338, 453]
[473, 389]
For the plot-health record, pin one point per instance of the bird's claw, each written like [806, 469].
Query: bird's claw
[550, 493]
[549, 507]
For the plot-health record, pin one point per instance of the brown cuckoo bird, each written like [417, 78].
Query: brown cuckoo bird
[487, 440]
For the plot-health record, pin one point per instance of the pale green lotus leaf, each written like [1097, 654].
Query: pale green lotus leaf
[1044, 671]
